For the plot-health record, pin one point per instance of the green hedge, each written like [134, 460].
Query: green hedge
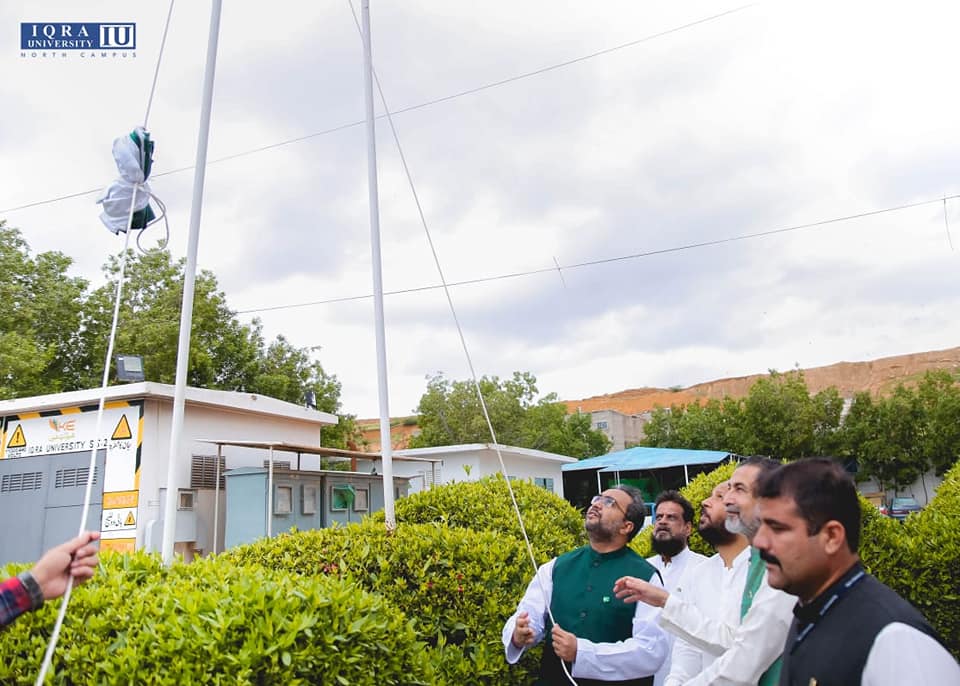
[553, 525]
[920, 558]
[457, 585]
[212, 622]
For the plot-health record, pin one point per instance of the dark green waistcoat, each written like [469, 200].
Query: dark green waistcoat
[583, 603]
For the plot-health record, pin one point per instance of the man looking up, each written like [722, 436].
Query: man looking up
[848, 628]
[672, 526]
[599, 638]
[747, 651]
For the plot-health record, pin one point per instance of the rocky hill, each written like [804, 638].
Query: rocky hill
[877, 376]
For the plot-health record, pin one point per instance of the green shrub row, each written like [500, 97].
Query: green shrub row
[213, 622]
[456, 585]
[553, 525]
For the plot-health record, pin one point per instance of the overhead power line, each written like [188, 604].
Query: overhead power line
[410, 108]
[608, 260]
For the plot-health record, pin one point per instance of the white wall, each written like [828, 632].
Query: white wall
[201, 422]
[480, 463]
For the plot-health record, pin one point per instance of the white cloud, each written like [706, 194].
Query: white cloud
[777, 115]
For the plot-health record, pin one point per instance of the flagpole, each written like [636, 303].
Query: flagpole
[386, 447]
[189, 280]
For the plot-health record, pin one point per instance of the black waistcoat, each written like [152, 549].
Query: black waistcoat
[835, 650]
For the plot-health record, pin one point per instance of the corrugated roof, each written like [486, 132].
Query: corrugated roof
[633, 459]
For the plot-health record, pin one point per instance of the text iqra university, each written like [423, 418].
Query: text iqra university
[90, 36]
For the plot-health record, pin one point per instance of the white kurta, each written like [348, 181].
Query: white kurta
[673, 572]
[712, 591]
[744, 649]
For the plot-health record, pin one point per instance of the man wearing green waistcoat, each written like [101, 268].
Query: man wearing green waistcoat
[595, 637]
[748, 652]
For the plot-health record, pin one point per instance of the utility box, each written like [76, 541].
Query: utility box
[301, 499]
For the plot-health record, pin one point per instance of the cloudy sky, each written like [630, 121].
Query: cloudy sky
[776, 115]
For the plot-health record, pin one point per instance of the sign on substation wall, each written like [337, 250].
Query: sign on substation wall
[74, 429]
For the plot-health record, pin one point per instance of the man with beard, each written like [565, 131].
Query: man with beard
[848, 628]
[747, 651]
[673, 523]
[712, 590]
[595, 637]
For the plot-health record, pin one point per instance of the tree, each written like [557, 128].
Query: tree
[778, 418]
[939, 397]
[54, 334]
[450, 413]
[39, 318]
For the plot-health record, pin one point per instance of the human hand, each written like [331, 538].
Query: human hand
[630, 590]
[564, 644]
[74, 558]
[522, 632]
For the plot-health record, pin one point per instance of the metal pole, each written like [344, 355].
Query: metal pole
[186, 308]
[686, 475]
[216, 499]
[270, 496]
[599, 487]
[386, 449]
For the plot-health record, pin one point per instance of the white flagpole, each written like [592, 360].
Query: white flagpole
[186, 308]
[386, 448]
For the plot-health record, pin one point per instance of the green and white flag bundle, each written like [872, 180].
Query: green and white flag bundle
[134, 157]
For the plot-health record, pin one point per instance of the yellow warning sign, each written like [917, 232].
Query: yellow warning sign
[122, 431]
[129, 521]
[18, 440]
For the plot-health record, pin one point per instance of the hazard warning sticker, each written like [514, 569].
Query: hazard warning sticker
[17, 440]
[122, 432]
[121, 519]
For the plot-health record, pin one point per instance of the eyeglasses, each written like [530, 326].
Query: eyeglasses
[608, 501]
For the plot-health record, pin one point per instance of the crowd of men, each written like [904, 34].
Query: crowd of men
[784, 599]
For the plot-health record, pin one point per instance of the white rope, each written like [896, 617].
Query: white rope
[55, 636]
[92, 466]
[463, 340]
[156, 72]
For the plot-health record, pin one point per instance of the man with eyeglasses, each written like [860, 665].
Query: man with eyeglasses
[672, 526]
[596, 638]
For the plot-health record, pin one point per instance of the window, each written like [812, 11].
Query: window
[360, 501]
[278, 464]
[283, 500]
[601, 426]
[544, 482]
[203, 471]
[341, 497]
[185, 500]
[308, 500]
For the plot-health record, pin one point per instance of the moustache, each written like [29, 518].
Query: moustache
[767, 557]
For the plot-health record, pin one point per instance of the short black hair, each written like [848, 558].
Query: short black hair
[823, 492]
[672, 496]
[764, 465]
[636, 510]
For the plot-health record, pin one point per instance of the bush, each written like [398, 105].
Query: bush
[213, 622]
[920, 558]
[457, 585]
[553, 525]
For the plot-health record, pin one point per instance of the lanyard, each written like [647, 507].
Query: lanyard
[841, 591]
